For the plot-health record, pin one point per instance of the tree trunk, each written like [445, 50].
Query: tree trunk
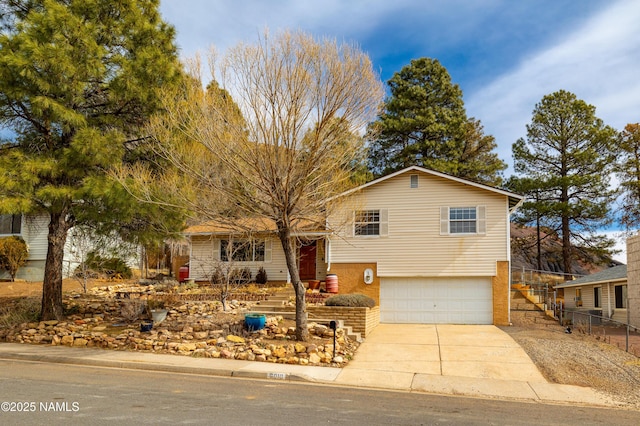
[302, 332]
[538, 243]
[566, 248]
[52, 284]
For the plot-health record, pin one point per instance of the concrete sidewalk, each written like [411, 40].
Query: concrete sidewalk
[478, 361]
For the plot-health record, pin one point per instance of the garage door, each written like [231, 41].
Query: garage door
[436, 300]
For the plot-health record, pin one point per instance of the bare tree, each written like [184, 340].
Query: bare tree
[82, 243]
[227, 273]
[273, 142]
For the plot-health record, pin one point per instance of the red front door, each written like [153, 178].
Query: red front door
[308, 262]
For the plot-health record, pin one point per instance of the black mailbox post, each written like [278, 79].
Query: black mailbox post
[334, 325]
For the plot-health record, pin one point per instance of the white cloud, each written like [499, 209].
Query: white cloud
[202, 23]
[599, 63]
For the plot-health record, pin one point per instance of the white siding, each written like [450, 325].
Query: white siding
[79, 244]
[588, 299]
[414, 246]
[35, 230]
[205, 254]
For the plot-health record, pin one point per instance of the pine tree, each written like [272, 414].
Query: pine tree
[628, 172]
[565, 164]
[77, 80]
[424, 123]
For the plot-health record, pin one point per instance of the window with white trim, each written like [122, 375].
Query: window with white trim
[462, 220]
[597, 299]
[242, 251]
[370, 223]
[10, 224]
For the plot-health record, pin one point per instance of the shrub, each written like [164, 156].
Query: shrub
[261, 276]
[240, 276]
[110, 266]
[351, 300]
[131, 310]
[13, 254]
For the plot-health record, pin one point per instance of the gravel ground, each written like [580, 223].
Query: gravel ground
[581, 360]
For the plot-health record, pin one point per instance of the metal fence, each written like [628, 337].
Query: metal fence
[539, 286]
[611, 330]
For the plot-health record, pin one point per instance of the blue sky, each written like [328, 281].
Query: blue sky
[505, 54]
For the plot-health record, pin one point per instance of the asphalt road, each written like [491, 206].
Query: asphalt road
[34, 393]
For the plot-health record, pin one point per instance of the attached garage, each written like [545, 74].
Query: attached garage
[461, 300]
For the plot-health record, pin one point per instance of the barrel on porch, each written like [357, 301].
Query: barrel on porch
[331, 283]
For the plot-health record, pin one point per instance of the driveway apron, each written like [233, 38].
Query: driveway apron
[393, 354]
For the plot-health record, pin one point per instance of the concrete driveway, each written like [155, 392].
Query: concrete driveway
[439, 358]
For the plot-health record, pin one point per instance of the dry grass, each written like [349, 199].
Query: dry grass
[18, 311]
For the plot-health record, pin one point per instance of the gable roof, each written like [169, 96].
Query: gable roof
[514, 199]
[610, 275]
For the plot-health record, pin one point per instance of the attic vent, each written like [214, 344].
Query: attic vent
[414, 181]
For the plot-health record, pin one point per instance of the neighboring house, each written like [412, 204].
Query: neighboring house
[428, 247]
[614, 291]
[603, 293]
[34, 230]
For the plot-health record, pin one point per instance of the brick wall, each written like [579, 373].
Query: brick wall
[351, 279]
[361, 320]
[501, 288]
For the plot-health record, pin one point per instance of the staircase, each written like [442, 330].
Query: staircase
[525, 313]
[283, 303]
[278, 304]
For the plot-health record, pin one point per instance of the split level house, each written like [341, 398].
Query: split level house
[426, 246]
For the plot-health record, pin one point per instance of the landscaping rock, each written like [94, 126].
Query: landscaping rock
[235, 339]
[195, 328]
[66, 340]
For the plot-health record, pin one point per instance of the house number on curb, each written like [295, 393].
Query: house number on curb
[280, 376]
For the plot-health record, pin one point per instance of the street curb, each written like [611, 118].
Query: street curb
[287, 377]
[132, 365]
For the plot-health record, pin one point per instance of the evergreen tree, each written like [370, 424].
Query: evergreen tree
[77, 80]
[628, 172]
[564, 167]
[424, 123]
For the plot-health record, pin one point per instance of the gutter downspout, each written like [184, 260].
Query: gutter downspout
[509, 259]
[327, 252]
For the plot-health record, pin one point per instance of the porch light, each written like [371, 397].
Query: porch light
[368, 276]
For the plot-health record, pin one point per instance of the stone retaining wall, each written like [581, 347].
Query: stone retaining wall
[361, 320]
